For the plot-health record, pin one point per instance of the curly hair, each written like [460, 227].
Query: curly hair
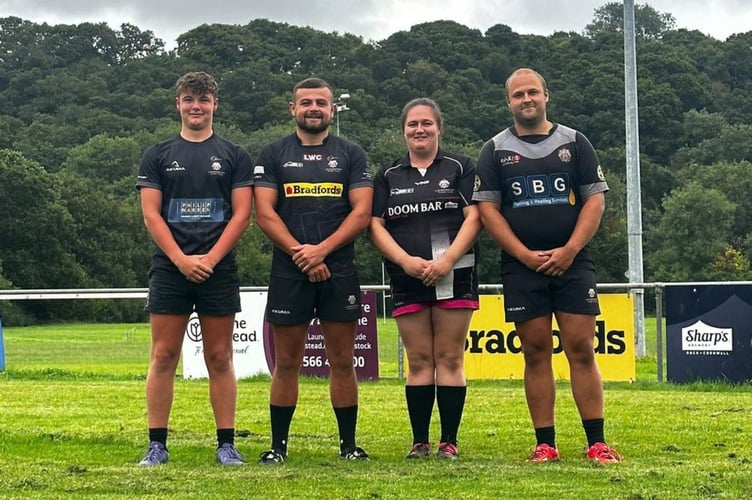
[197, 82]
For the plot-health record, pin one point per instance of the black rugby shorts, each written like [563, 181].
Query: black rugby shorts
[171, 293]
[295, 301]
[528, 294]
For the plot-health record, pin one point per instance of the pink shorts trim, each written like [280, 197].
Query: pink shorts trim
[442, 304]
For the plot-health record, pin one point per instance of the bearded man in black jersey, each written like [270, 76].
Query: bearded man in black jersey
[540, 191]
[313, 194]
[196, 198]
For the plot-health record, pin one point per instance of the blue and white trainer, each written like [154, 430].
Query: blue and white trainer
[156, 455]
[227, 454]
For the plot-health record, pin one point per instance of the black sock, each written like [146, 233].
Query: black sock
[158, 434]
[594, 431]
[451, 403]
[347, 418]
[281, 417]
[546, 435]
[225, 436]
[420, 400]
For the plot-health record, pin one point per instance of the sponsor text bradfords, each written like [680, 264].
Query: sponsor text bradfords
[321, 189]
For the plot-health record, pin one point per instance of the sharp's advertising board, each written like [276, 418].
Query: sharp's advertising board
[709, 333]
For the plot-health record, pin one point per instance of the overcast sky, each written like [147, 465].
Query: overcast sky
[371, 19]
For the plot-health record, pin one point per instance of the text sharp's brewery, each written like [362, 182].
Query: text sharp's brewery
[706, 339]
[709, 332]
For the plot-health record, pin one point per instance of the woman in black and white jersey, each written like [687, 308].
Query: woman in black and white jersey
[426, 226]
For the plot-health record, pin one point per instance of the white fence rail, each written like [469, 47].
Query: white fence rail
[136, 293]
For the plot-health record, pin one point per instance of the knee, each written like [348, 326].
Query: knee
[450, 361]
[420, 362]
[536, 354]
[218, 362]
[581, 356]
[285, 366]
[341, 365]
[164, 359]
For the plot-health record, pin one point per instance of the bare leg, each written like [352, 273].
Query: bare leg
[289, 347]
[416, 332]
[167, 332]
[217, 334]
[540, 391]
[449, 334]
[343, 382]
[577, 334]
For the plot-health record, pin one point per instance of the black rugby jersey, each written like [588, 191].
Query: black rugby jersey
[540, 182]
[424, 212]
[196, 180]
[313, 185]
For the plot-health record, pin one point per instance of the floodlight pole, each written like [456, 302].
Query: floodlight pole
[634, 204]
[341, 106]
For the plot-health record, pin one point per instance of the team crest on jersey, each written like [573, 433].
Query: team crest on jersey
[351, 299]
[216, 166]
[565, 155]
[600, 174]
[445, 187]
[476, 184]
[332, 164]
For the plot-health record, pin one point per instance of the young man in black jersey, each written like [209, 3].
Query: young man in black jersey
[541, 191]
[313, 194]
[196, 196]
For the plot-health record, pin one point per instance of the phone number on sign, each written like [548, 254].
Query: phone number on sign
[319, 361]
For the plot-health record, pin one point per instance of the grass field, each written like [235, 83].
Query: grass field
[72, 424]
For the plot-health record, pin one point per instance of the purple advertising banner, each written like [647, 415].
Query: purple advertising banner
[315, 362]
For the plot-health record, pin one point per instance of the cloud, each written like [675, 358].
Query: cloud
[371, 19]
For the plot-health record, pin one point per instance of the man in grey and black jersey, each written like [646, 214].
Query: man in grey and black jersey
[313, 195]
[540, 192]
[196, 199]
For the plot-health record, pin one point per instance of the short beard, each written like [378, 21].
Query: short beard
[313, 129]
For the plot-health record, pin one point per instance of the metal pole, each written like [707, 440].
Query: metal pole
[2, 348]
[659, 330]
[634, 204]
[383, 294]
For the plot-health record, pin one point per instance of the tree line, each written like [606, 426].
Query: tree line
[80, 103]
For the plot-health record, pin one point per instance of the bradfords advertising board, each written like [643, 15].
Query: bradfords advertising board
[709, 333]
[493, 349]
